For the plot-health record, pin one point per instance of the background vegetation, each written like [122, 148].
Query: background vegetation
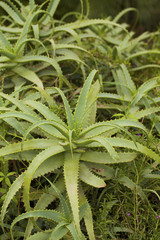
[148, 11]
[79, 122]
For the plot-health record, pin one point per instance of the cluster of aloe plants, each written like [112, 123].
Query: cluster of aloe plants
[56, 142]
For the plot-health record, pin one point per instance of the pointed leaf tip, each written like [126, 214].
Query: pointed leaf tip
[102, 186]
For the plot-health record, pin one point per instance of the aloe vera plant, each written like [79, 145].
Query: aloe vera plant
[112, 46]
[64, 219]
[44, 40]
[72, 145]
[135, 102]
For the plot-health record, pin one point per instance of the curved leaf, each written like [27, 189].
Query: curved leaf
[71, 172]
[105, 158]
[16, 185]
[59, 231]
[29, 75]
[82, 101]
[51, 61]
[40, 236]
[88, 177]
[46, 112]
[51, 10]
[37, 161]
[48, 214]
[88, 219]
[27, 145]
[69, 115]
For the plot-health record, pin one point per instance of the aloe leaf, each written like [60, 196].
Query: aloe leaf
[144, 89]
[116, 19]
[124, 84]
[68, 55]
[114, 96]
[11, 13]
[120, 128]
[88, 177]
[15, 125]
[71, 172]
[37, 95]
[88, 22]
[27, 145]
[101, 170]
[48, 214]
[5, 109]
[88, 219]
[126, 42]
[49, 165]
[17, 103]
[98, 128]
[48, 128]
[149, 85]
[29, 75]
[23, 43]
[59, 231]
[141, 53]
[46, 198]
[82, 210]
[154, 118]
[70, 31]
[5, 43]
[70, 40]
[49, 99]
[106, 144]
[118, 83]
[40, 236]
[125, 143]
[73, 230]
[144, 67]
[51, 61]
[119, 142]
[6, 65]
[4, 59]
[69, 115]
[72, 46]
[36, 31]
[25, 29]
[63, 202]
[37, 161]
[51, 10]
[91, 116]
[31, 4]
[10, 30]
[46, 112]
[14, 7]
[56, 125]
[145, 112]
[105, 158]
[50, 196]
[7, 53]
[16, 185]
[82, 101]
[91, 107]
[129, 81]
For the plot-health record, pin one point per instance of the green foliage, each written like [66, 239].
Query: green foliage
[72, 140]
[64, 219]
[137, 103]
[44, 40]
[55, 122]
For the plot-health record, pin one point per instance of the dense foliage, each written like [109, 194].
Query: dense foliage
[80, 125]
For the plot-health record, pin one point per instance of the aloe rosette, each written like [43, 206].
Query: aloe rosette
[79, 146]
